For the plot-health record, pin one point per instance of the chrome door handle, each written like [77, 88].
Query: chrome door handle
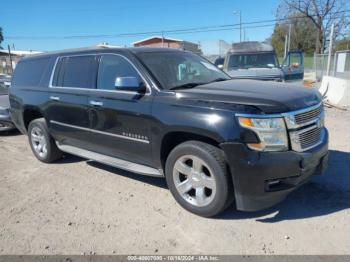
[55, 98]
[96, 103]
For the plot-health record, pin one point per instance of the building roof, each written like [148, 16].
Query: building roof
[19, 52]
[157, 37]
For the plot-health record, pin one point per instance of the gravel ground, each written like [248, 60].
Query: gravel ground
[80, 207]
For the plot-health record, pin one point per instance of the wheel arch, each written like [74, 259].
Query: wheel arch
[172, 139]
[31, 113]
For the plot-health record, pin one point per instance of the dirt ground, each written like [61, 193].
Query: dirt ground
[80, 207]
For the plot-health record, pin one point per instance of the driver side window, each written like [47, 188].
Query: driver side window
[114, 66]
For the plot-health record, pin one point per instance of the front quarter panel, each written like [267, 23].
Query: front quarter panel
[174, 113]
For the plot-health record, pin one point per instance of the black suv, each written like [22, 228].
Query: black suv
[166, 112]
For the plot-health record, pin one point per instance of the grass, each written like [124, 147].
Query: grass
[308, 62]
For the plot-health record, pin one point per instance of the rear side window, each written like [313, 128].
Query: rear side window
[76, 71]
[29, 72]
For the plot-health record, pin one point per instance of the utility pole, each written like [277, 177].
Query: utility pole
[240, 24]
[289, 36]
[285, 46]
[162, 38]
[10, 56]
[330, 48]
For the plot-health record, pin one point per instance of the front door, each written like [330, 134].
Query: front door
[293, 66]
[120, 119]
[68, 110]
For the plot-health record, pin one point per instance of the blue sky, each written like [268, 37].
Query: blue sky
[38, 18]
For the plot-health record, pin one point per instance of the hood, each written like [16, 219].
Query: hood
[4, 101]
[256, 73]
[269, 97]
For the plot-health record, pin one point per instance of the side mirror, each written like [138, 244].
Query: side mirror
[129, 83]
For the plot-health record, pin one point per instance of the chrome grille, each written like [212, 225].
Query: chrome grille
[310, 137]
[307, 116]
[306, 127]
[307, 138]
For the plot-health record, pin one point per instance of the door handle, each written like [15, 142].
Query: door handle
[55, 98]
[96, 103]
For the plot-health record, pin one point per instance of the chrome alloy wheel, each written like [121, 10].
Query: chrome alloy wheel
[39, 142]
[194, 180]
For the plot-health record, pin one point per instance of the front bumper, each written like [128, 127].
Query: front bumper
[263, 179]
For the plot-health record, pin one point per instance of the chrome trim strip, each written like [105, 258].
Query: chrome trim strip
[101, 90]
[100, 132]
[112, 161]
[259, 116]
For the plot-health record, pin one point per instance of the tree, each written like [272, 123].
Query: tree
[322, 13]
[303, 35]
[343, 44]
[1, 37]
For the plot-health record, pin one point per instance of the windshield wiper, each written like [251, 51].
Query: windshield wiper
[220, 79]
[186, 86]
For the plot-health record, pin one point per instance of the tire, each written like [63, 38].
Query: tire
[38, 135]
[201, 166]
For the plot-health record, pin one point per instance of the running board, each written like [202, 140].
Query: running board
[111, 161]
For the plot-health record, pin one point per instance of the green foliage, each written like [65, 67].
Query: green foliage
[303, 35]
[343, 44]
[1, 36]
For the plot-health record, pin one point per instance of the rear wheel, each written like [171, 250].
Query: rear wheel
[41, 142]
[197, 177]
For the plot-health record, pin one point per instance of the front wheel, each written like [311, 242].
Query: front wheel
[41, 142]
[198, 178]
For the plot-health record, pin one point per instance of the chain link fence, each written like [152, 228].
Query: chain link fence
[339, 67]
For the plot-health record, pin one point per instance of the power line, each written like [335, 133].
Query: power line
[98, 8]
[213, 28]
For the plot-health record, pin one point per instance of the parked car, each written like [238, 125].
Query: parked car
[255, 60]
[5, 119]
[5, 80]
[166, 112]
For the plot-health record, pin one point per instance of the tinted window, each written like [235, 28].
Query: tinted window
[245, 61]
[29, 72]
[76, 71]
[111, 67]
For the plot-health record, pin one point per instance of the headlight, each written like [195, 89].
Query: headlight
[271, 132]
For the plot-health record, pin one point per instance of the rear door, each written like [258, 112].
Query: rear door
[293, 66]
[68, 109]
[120, 119]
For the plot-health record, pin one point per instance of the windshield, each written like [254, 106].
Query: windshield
[246, 61]
[176, 69]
